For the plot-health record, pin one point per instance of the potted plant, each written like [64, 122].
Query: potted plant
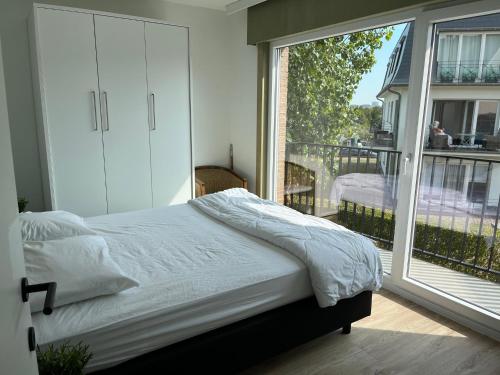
[491, 76]
[446, 75]
[469, 74]
[21, 204]
[66, 359]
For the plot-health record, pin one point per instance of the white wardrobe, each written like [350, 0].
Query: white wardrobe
[113, 111]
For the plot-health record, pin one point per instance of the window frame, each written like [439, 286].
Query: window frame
[419, 100]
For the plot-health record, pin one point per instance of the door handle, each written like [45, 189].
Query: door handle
[50, 288]
[408, 159]
[153, 112]
[104, 107]
[92, 97]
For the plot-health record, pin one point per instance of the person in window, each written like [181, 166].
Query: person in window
[440, 139]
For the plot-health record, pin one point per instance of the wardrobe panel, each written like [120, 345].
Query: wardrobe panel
[123, 94]
[170, 135]
[65, 47]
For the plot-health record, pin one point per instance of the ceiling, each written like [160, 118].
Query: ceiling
[230, 6]
[213, 4]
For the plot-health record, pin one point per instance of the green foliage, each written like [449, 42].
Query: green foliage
[447, 75]
[65, 359]
[429, 238]
[365, 120]
[322, 79]
[469, 74]
[21, 204]
[491, 76]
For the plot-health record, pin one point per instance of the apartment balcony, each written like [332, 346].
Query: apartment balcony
[456, 244]
[467, 73]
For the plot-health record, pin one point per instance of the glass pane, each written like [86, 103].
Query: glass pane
[486, 119]
[456, 245]
[447, 58]
[491, 64]
[339, 134]
[469, 58]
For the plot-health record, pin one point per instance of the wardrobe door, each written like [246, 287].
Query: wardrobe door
[68, 79]
[170, 135]
[123, 95]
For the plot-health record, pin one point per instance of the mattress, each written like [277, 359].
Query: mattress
[195, 273]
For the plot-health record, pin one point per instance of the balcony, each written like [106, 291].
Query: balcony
[462, 72]
[457, 240]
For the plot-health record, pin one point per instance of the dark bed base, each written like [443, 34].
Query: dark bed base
[242, 344]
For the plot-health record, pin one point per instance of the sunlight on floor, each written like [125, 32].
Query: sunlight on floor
[399, 337]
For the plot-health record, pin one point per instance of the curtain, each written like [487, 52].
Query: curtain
[471, 49]
[448, 49]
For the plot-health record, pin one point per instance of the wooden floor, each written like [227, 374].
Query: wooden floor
[399, 338]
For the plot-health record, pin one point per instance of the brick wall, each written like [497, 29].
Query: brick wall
[282, 123]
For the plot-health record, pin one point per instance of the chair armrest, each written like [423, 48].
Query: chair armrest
[200, 188]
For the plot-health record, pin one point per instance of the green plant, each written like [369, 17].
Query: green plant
[469, 74]
[491, 76]
[66, 359]
[444, 241]
[21, 204]
[446, 75]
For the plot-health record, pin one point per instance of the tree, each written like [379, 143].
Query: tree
[322, 79]
[364, 121]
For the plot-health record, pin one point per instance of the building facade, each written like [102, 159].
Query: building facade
[463, 109]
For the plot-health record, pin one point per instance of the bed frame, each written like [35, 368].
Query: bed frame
[240, 345]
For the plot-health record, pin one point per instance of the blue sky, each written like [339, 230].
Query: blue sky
[372, 82]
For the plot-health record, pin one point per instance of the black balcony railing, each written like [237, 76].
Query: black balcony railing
[458, 202]
[467, 72]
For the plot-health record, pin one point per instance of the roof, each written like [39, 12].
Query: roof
[402, 74]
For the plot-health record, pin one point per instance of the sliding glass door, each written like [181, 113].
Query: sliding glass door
[340, 128]
[392, 130]
[456, 241]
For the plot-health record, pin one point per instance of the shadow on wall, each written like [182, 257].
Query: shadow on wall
[18, 85]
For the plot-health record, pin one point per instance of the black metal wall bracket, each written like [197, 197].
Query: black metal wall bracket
[50, 288]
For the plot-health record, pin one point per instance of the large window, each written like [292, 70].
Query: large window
[468, 56]
[464, 125]
[338, 135]
[401, 147]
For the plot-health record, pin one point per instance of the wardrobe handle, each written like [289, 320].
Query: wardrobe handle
[92, 97]
[104, 107]
[153, 112]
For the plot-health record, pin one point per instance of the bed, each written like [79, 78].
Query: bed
[207, 290]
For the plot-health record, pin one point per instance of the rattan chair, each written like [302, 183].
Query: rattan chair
[211, 179]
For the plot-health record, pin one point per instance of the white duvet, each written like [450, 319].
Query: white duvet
[340, 262]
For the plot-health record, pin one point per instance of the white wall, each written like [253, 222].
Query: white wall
[243, 104]
[224, 84]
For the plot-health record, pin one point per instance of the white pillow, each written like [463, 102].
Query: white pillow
[81, 266]
[51, 225]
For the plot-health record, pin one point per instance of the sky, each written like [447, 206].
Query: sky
[371, 82]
